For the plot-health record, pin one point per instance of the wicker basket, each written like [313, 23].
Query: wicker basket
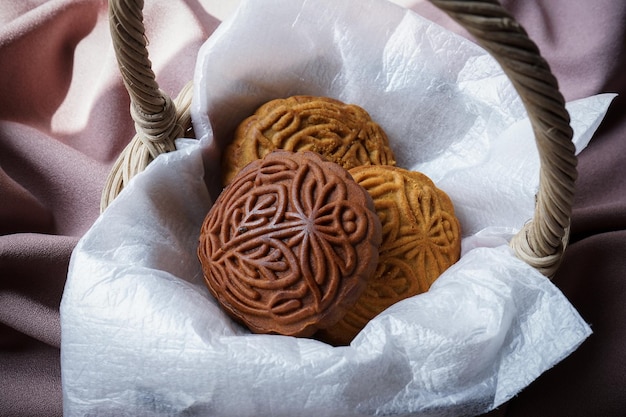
[159, 120]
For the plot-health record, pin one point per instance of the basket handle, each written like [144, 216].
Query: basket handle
[158, 120]
[540, 243]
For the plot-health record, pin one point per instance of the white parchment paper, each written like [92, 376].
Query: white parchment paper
[141, 335]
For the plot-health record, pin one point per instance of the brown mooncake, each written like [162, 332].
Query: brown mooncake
[341, 133]
[421, 239]
[289, 245]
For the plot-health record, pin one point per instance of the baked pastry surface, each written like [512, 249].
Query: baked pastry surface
[421, 239]
[289, 245]
[341, 133]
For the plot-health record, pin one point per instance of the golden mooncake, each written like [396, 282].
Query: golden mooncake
[421, 239]
[341, 133]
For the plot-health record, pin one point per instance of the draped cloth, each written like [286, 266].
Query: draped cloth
[64, 118]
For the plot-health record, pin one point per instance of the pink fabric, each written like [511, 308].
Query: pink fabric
[64, 118]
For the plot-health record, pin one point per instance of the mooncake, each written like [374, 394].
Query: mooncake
[290, 244]
[421, 239]
[341, 133]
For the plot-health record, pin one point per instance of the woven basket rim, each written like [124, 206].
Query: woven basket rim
[159, 120]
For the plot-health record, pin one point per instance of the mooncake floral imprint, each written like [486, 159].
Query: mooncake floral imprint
[290, 244]
[421, 239]
[341, 133]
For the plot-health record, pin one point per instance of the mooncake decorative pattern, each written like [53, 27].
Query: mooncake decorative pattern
[290, 244]
[341, 133]
[421, 239]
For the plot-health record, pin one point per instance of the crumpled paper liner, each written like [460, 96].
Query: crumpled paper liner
[141, 335]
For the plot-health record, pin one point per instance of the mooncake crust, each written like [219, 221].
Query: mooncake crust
[421, 239]
[290, 244]
[341, 133]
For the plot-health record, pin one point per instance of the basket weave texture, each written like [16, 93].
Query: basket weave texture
[159, 120]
